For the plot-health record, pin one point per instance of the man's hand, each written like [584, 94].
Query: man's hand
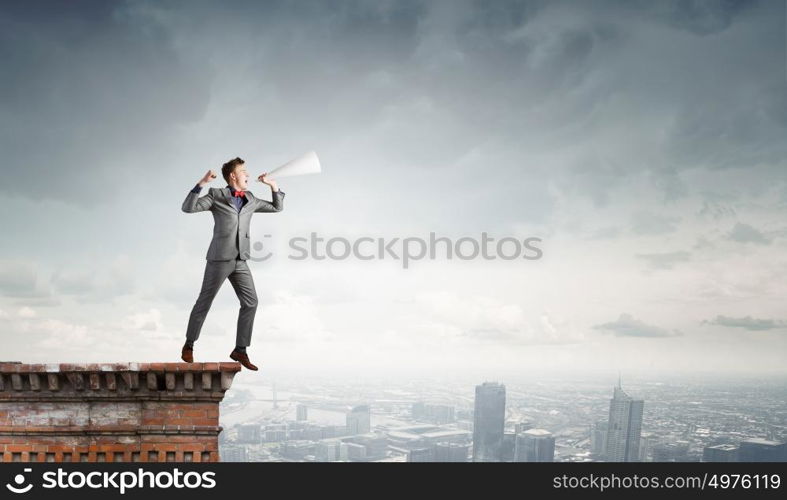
[264, 179]
[207, 178]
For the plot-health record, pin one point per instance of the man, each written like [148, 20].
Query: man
[232, 208]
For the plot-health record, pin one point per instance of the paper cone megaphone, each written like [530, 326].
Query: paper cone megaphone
[305, 164]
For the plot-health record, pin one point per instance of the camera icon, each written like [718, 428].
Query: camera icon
[19, 479]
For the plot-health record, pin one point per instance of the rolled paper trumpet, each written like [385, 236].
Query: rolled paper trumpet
[307, 163]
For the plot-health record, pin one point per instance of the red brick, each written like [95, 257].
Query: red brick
[193, 413]
[130, 421]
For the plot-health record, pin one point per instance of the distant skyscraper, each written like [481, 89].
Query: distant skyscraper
[300, 413]
[535, 445]
[762, 450]
[359, 420]
[275, 432]
[489, 421]
[625, 427]
[507, 447]
[598, 437]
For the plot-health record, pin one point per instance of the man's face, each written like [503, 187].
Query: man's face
[241, 176]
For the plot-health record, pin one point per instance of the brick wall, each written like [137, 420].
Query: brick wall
[119, 412]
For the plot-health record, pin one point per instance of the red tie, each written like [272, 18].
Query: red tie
[239, 193]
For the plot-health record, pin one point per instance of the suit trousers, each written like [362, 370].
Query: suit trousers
[216, 271]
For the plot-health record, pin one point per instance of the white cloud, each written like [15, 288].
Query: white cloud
[474, 318]
[627, 326]
[148, 321]
[26, 312]
[291, 318]
[65, 336]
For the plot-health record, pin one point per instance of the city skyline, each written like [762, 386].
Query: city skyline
[425, 420]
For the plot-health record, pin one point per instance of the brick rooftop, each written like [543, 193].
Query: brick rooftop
[111, 411]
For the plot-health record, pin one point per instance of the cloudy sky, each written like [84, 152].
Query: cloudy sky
[644, 142]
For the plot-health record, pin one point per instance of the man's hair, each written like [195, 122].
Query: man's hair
[229, 167]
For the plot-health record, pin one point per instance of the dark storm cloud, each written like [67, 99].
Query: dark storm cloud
[647, 223]
[88, 89]
[745, 233]
[627, 326]
[717, 206]
[17, 278]
[20, 279]
[735, 106]
[96, 91]
[747, 323]
[700, 17]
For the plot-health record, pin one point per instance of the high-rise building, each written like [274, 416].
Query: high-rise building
[508, 447]
[275, 432]
[720, 453]
[359, 420]
[762, 450]
[598, 438]
[489, 421]
[300, 413]
[624, 428]
[645, 444]
[327, 450]
[535, 445]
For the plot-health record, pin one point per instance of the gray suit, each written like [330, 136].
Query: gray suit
[227, 255]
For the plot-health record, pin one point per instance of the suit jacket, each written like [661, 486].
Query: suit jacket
[230, 227]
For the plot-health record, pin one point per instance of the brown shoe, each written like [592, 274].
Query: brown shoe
[187, 354]
[243, 358]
